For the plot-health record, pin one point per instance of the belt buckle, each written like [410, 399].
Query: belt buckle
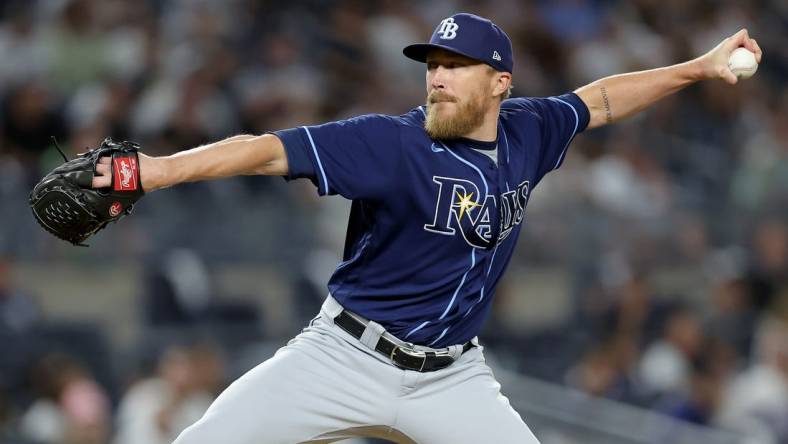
[415, 354]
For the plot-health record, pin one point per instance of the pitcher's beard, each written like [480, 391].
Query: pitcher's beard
[468, 117]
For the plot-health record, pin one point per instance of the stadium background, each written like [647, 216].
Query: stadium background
[647, 301]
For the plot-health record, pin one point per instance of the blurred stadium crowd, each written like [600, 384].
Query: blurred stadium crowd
[669, 229]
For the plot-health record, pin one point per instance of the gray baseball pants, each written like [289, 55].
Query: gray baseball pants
[326, 386]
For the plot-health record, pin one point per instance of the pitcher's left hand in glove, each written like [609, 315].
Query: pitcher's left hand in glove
[66, 204]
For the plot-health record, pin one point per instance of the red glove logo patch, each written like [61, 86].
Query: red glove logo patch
[125, 173]
[115, 209]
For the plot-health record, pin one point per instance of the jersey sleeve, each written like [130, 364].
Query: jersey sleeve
[560, 118]
[356, 158]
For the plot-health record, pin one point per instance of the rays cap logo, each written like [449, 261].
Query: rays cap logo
[471, 36]
[447, 30]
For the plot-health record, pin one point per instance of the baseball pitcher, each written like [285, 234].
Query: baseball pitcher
[438, 201]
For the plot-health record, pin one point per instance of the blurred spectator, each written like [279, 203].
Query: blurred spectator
[733, 318]
[76, 47]
[666, 367]
[71, 408]
[31, 117]
[628, 181]
[155, 410]
[701, 402]
[345, 60]
[770, 254]
[756, 403]
[20, 41]
[605, 369]
[761, 179]
[178, 289]
[633, 310]
[572, 20]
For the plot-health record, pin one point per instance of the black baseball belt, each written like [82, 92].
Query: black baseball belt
[401, 356]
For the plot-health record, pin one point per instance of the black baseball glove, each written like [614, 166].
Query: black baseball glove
[66, 205]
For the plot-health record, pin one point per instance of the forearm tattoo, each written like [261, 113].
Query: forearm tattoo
[608, 113]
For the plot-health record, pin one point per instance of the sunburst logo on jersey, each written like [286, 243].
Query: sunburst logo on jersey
[466, 203]
[455, 199]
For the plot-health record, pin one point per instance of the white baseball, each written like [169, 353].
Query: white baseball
[742, 63]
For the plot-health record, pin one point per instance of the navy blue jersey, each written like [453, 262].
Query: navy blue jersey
[433, 224]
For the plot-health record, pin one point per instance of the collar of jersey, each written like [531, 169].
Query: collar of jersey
[476, 144]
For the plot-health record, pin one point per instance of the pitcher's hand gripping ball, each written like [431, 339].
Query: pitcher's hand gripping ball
[66, 205]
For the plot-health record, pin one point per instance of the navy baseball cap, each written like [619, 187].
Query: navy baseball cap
[469, 35]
